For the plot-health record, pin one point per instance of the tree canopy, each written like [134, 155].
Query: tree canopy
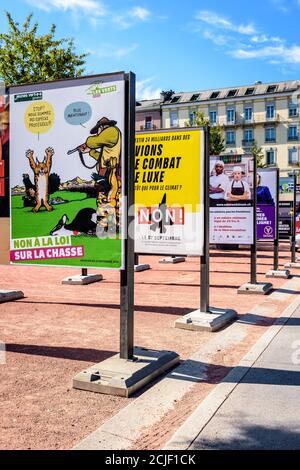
[27, 56]
[216, 139]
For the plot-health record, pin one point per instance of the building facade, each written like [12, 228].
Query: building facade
[267, 114]
[148, 115]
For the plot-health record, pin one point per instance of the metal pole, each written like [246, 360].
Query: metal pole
[127, 274]
[204, 260]
[254, 245]
[293, 238]
[276, 241]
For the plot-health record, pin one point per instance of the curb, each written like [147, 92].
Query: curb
[194, 425]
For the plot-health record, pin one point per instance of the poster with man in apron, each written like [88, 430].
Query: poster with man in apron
[231, 216]
[238, 189]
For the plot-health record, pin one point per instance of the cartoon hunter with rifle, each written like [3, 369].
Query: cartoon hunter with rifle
[105, 146]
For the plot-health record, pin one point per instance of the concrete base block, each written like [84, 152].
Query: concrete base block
[141, 267]
[122, 377]
[260, 288]
[169, 260]
[82, 280]
[212, 321]
[9, 295]
[282, 274]
[292, 265]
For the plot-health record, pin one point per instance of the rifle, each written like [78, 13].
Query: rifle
[77, 149]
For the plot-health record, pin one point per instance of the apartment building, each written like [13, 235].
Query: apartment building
[265, 113]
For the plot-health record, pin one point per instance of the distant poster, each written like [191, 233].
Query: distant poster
[297, 211]
[169, 184]
[266, 204]
[4, 180]
[286, 207]
[4, 158]
[231, 199]
[67, 148]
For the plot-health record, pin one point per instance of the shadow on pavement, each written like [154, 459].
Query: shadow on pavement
[61, 352]
[250, 437]
[138, 308]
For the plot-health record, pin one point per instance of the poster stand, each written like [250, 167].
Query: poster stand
[10, 295]
[206, 318]
[131, 369]
[254, 287]
[82, 279]
[140, 267]
[293, 263]
[5, 295]
[172, 260]
[276, 272]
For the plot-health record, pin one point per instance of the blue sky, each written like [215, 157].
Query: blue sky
[184, 45]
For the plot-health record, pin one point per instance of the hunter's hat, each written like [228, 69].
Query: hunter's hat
[104, 121]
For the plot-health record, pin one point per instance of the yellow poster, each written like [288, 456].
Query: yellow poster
[168, 191]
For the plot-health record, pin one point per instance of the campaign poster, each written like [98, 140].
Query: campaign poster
[169, 184]
[298, 210]
[66, 182]
[4, 180]
[231, 199]
[286, 207]
[266, 210]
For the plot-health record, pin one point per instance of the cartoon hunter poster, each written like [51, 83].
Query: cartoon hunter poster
[66, 148]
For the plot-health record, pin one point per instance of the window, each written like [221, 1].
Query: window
[214, 95]
[270, 157]
[271, 89]
[249, 91]
[148, 122]
[270, 134]
[248, 113]
[293, 133]
[293, 156]
[213, 117]
[270, 111]
[231, 93]
[195, 97]
[175, 99]
[248, 136]
[293, 110]
[230, 116]
[230, 137]
[174, 119]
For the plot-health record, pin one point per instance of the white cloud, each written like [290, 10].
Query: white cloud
[218, 39]
[275, 55]
[263, 38]
[124, 51]
[127, 20]
[140, 13]
[107, 51]
[245, 42]
[122, 21]
[85, 6]
[218, 21]
[146, 91]
[281, 5]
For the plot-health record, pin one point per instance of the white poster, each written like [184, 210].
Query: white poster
[231, 199]
[67, 149]
[169, 183]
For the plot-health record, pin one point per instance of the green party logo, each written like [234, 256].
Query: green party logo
[97, 89]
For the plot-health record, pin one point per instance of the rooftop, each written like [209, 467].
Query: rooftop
[231, 93]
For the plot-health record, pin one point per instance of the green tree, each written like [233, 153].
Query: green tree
[216, 139]
[258, 154]
[26, 56]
